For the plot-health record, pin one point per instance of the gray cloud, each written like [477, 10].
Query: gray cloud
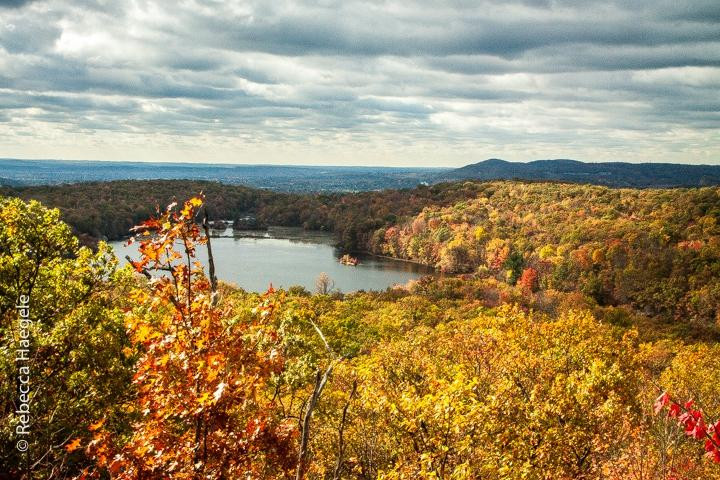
[13, 3]
[402, 82]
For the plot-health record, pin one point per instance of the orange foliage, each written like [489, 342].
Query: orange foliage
[201, 406]
[529, 280]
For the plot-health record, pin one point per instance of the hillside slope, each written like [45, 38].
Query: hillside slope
[611, 174]
[657, 250]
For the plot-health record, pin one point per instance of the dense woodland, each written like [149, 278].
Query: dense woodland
[573, 336]
[109, 209]
[657, 251]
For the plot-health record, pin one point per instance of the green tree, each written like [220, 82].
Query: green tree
[75, 364]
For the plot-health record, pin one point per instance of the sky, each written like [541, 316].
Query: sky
[342, 82]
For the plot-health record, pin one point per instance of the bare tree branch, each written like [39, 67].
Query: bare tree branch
[211, 259]
[320, 382]
[322, 337]
[144, 270]
[341, 433]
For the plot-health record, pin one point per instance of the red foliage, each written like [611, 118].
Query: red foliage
[529, 280]
[391, 233]
[693, 422]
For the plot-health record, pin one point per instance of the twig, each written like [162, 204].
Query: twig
[143, 270]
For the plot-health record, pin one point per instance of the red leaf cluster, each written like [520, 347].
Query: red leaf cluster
[529, 280]
[693, 422]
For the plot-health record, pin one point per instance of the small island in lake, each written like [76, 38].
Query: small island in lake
[348, 260]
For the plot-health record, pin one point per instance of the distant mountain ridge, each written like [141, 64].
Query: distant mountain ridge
[612, 174]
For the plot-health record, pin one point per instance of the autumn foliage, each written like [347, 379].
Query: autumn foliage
[693, 422]
[201, 373]
[529, 280]
[543, 362]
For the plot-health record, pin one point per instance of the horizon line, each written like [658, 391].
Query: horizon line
[315, 165]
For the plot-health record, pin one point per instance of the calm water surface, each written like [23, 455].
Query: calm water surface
[288, 256]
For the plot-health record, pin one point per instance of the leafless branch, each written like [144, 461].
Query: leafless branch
[322, 337]
[320, 382]
[211, 259]
[341, 433]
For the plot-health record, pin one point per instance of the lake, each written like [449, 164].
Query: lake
[291, 256]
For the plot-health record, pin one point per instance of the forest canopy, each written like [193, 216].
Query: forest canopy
[578, 340]
[655, 250]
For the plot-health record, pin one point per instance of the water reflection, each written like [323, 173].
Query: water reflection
[287, 257]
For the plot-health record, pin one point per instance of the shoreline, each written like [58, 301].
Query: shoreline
[414, 262]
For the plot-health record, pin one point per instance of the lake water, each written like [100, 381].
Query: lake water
[288, 256]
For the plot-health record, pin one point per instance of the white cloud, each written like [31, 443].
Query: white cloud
[688, 76]
[360, 82]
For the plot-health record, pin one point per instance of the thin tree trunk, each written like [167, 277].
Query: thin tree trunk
[320, 381]
[341, 433]
[211, 259]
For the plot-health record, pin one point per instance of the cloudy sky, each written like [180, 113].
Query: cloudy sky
[360, 83]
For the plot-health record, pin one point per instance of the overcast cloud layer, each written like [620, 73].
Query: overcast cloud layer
[346, 82]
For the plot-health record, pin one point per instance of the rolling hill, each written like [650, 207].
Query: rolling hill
[612, 174]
